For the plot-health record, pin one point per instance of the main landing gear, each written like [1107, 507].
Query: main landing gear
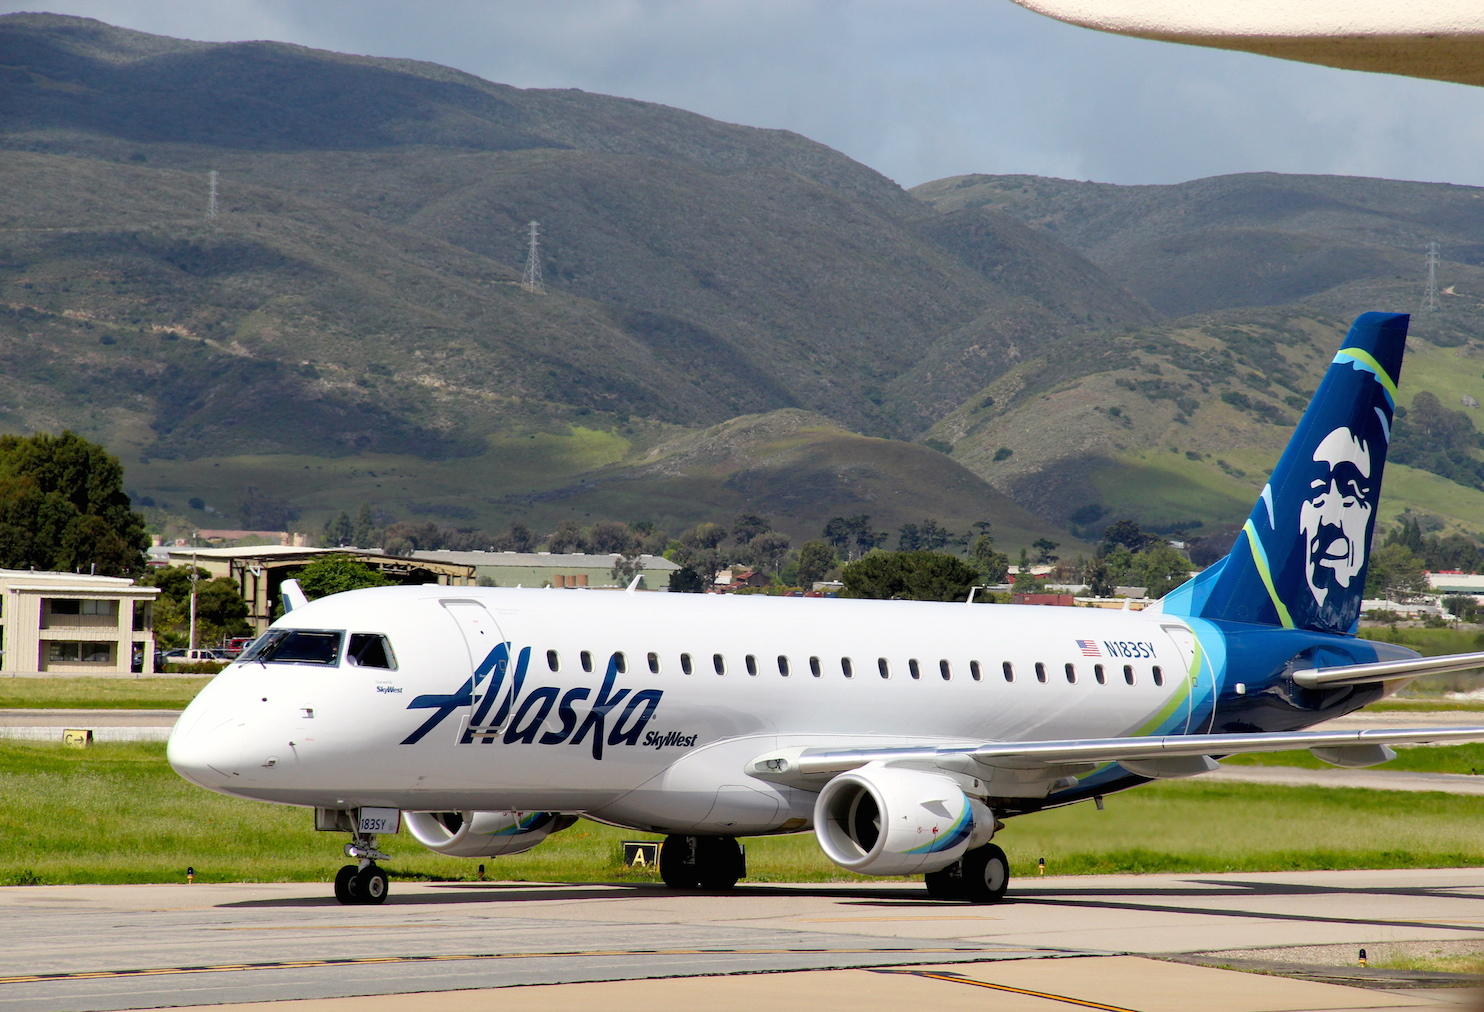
[363, 882]
[980, 876]
[701, 862]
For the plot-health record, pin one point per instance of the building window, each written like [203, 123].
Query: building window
[144, 616]
[883, 667]
[654, 663]
[783, 665]
[685, 664]
[87, 653]
[66, 606]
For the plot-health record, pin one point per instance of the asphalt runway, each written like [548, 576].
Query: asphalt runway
[1057, 943]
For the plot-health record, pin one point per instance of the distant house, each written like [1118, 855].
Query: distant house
[64, 623]
[565, 570]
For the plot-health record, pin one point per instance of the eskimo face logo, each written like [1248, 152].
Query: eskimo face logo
[1335, 518]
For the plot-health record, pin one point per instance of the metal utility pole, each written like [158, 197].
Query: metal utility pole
[531, 281]
[1430, 294]
[194, 577]
[211, 198]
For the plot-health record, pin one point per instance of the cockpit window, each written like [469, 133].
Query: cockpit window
[295, 646]
[370, 650]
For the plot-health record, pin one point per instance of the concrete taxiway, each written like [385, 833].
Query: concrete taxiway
[1083, 941]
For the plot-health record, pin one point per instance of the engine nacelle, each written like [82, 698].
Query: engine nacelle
[884, 820]
[483, 834]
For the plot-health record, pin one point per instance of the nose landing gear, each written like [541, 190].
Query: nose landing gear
[701, 862]
[365, 881]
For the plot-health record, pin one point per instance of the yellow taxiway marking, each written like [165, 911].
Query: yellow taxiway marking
[954, 978]
[34, 978]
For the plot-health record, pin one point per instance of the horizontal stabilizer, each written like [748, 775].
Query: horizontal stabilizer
[1381, 671]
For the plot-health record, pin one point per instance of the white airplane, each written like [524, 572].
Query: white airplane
[902, 733]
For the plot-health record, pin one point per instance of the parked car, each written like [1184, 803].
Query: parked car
[185, 655]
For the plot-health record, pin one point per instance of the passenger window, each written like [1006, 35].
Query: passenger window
[1071, 674]
[1128, 673]
[1159, 675]
[1040, 672]
[719, 663]
[751, 663]
[587, 660]
[685, 663]
[783, 665]
[552, 664]
[370, 650]
[620, 663]
[913, 669]
[1098, 675]
[883, 667]
[974, 671]
[654, 663]
[1009, 671]
[814, 666]
[845, 668]
[944, 670]
[295, 646]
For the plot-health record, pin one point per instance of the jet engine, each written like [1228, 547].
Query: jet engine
[884, 820]
[483, 834]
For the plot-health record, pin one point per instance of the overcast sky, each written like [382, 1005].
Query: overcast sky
[916, 90]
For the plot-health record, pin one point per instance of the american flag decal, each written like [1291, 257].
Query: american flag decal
[1089, 648]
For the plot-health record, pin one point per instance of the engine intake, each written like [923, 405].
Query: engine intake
[883, 820]
[484, 834]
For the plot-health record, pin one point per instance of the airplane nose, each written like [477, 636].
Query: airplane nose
[200, 753]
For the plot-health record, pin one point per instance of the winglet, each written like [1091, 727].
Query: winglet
[292, 595]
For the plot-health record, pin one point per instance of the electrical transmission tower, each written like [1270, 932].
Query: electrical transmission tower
[1430, 294]
[531, 280]
[211, 198]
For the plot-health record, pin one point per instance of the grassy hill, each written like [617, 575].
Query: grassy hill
[734, 318]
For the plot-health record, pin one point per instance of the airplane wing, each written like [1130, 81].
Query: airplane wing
[1038, 764]
[1380, 671]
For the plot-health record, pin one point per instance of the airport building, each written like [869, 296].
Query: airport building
[259, 571]
[64, 623]
[554, 569]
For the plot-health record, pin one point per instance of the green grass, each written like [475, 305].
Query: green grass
[1420, 759]
[99, 693]
[1438, 962]
[117, 813]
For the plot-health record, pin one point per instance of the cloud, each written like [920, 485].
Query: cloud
[917, 91]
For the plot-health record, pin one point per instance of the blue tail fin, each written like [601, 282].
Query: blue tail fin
[1300, 560]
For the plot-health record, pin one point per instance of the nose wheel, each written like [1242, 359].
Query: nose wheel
[364, 882]
[701, 862]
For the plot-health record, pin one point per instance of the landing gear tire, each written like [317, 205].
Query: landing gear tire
[345, 884]
[986, 874]
[370, 885]
[701, 862]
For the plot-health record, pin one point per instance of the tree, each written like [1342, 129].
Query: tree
[608, 537]
[1128, 534]
[909, 576]
[1160, 569]
[262, 511]
[816, 558]
[768, 550]
[220, 610]
[994, 566]
[748, 526]
[63, 507]
[1395, 574]
[1462, 607]
[1045, 551]
[1099, 580]
[686, 580]
[365, 533]
[566, 538]
[338, 533]
[332, 574]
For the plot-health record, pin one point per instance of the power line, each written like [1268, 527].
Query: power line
[531, 281]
